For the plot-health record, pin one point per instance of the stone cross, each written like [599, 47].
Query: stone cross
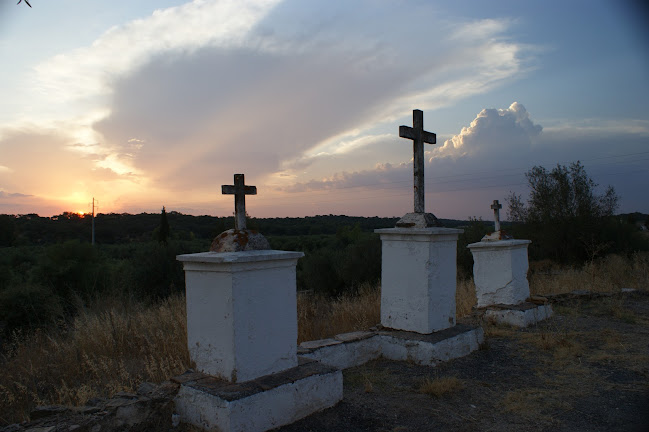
[419, 136]
[496, 206]
[239, 190]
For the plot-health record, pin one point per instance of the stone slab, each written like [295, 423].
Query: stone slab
[418, 220]
[343, 355]
[522, 315]
[425, 349]
[431, 349]
[436, 231]
[238, 257]
[262, 404]
[320, 343]
[354, 336]
[495, 245]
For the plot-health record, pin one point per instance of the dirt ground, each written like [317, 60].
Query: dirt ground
[585, 369]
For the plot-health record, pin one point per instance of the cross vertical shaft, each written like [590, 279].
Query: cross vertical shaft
[419, 136]
[239, 190]
[496, 206]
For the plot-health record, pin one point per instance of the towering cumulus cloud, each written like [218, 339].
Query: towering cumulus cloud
[494, 130]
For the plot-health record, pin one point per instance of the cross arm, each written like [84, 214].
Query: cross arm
[232, 190]
[410, 133]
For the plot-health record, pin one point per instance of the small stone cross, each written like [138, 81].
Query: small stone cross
[496, 206]
[239, 190]
[419, 136]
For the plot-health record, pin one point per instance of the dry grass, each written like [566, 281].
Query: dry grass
[116, 345]
[535, 403]
[100, 354]
[607, 274]
[465, 297]
[320, 317]
[438, 387]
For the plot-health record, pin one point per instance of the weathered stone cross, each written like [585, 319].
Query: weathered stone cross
[239, 190]
[496, 206]
[419, 136]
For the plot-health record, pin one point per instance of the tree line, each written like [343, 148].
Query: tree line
[49, 269]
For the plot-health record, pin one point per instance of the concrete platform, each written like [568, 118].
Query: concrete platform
[431, 349]
[521, 315]
[344, 350]
[261, 404]
[354, 349]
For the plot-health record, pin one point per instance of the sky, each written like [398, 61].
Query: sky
[144, 104]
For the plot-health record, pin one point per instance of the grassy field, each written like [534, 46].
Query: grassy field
[113, 345]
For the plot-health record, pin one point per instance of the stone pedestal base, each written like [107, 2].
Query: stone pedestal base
[431, 349]
[500, 271]
[241, 312]
[259, 405]
[522, 315]
[418, 278]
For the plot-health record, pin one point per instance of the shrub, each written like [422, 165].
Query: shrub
[29, 305]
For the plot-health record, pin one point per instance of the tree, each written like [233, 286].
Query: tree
[564, 216]
[163, 229]
[7, 230]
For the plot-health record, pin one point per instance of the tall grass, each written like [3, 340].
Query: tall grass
[116, 344]
[320, 317]
[607, 274]
[108, 348]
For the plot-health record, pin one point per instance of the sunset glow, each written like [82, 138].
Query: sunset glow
[158, 103]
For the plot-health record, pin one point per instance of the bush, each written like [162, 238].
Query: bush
[474, 232]
[564, 216]
[29, 305]
[70, 268]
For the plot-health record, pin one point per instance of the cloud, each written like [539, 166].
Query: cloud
[275, 102]
[4, 194]
[89, 71]
[376, 178]
[493, 130]
[493, 134]
[72, 90]
[180, 100]
[488, 159]
[46, 168]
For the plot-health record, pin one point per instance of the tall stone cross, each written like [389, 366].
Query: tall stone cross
[496, 206]
[419, 136]
[239, 190]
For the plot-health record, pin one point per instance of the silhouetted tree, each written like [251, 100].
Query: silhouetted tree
[163, 229]
[7, 230]
[564, 216]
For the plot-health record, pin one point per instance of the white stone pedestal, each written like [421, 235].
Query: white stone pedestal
[500, 272]
[418, 278]
[242, 335]
[241, 312]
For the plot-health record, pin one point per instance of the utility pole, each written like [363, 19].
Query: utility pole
[93, 220]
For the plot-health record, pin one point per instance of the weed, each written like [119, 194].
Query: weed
[465, 297]
[438, 387]
[534, 403]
